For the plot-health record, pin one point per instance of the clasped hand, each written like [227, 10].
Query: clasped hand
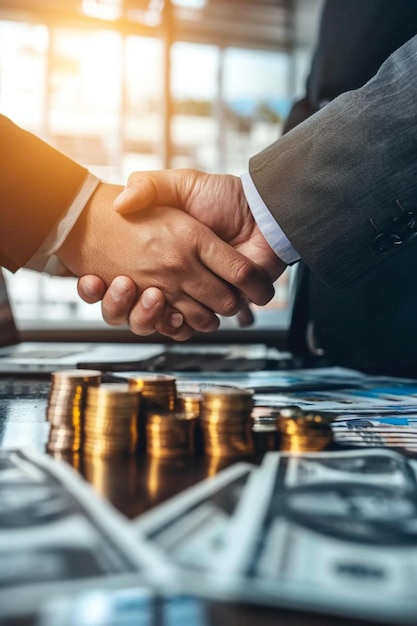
[199, 254]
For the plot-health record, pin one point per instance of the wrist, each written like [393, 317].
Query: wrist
[91, 233]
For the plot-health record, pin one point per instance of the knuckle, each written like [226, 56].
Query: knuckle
[230, 304]
[242, 271]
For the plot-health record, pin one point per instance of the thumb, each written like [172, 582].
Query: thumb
[139, 194]
[155, 188]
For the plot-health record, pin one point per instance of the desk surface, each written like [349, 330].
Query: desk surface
[134, 485]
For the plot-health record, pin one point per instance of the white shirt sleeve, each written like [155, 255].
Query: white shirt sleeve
[44, 259]
[267, 224]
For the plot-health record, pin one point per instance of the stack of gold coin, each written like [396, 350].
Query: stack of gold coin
[158, 393]
[170, 434]
[66, 404]
[71, 458]
[189, 403]
[99, 472]
[226, 422]
[303, 431]
[110, 421]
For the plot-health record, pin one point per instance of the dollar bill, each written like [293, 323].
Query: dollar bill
[388, 431]
[58, 536]
[131, 606]
[190, 528]
[334, 532]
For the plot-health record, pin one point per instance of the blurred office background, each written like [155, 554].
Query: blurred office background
[124, 85]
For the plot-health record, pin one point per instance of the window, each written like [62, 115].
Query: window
[194, 91]
[98, 96]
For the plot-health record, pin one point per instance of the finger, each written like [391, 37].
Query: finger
[181, 333]
[118, 301]
[170, 323]
[184, 313]
[139, 194]
[196, 315]
[236, 269]
[259, 251]
[151, 312]
[145, 189]
[91, 288]
[176, 319]
[245, 316]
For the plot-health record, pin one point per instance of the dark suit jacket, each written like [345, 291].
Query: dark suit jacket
[37, 184]
[346, 174]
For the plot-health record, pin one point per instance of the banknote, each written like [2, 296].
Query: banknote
[389, 431]
[57, 535]
[132, 606]
[190, 528]
[270, 381]
[334, 532]
[343, 401]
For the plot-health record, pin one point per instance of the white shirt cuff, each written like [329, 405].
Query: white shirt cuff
[44, 260]
[268, 226]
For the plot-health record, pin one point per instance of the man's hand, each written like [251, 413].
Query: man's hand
[217, 201]
[168, 249]
[144, 315]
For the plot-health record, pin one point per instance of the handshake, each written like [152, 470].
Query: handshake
[170, 252]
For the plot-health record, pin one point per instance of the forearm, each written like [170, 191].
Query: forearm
[37, 185]
[44, 259]
[89, 245]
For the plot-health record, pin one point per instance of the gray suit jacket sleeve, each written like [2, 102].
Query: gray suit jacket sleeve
[340, 178]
